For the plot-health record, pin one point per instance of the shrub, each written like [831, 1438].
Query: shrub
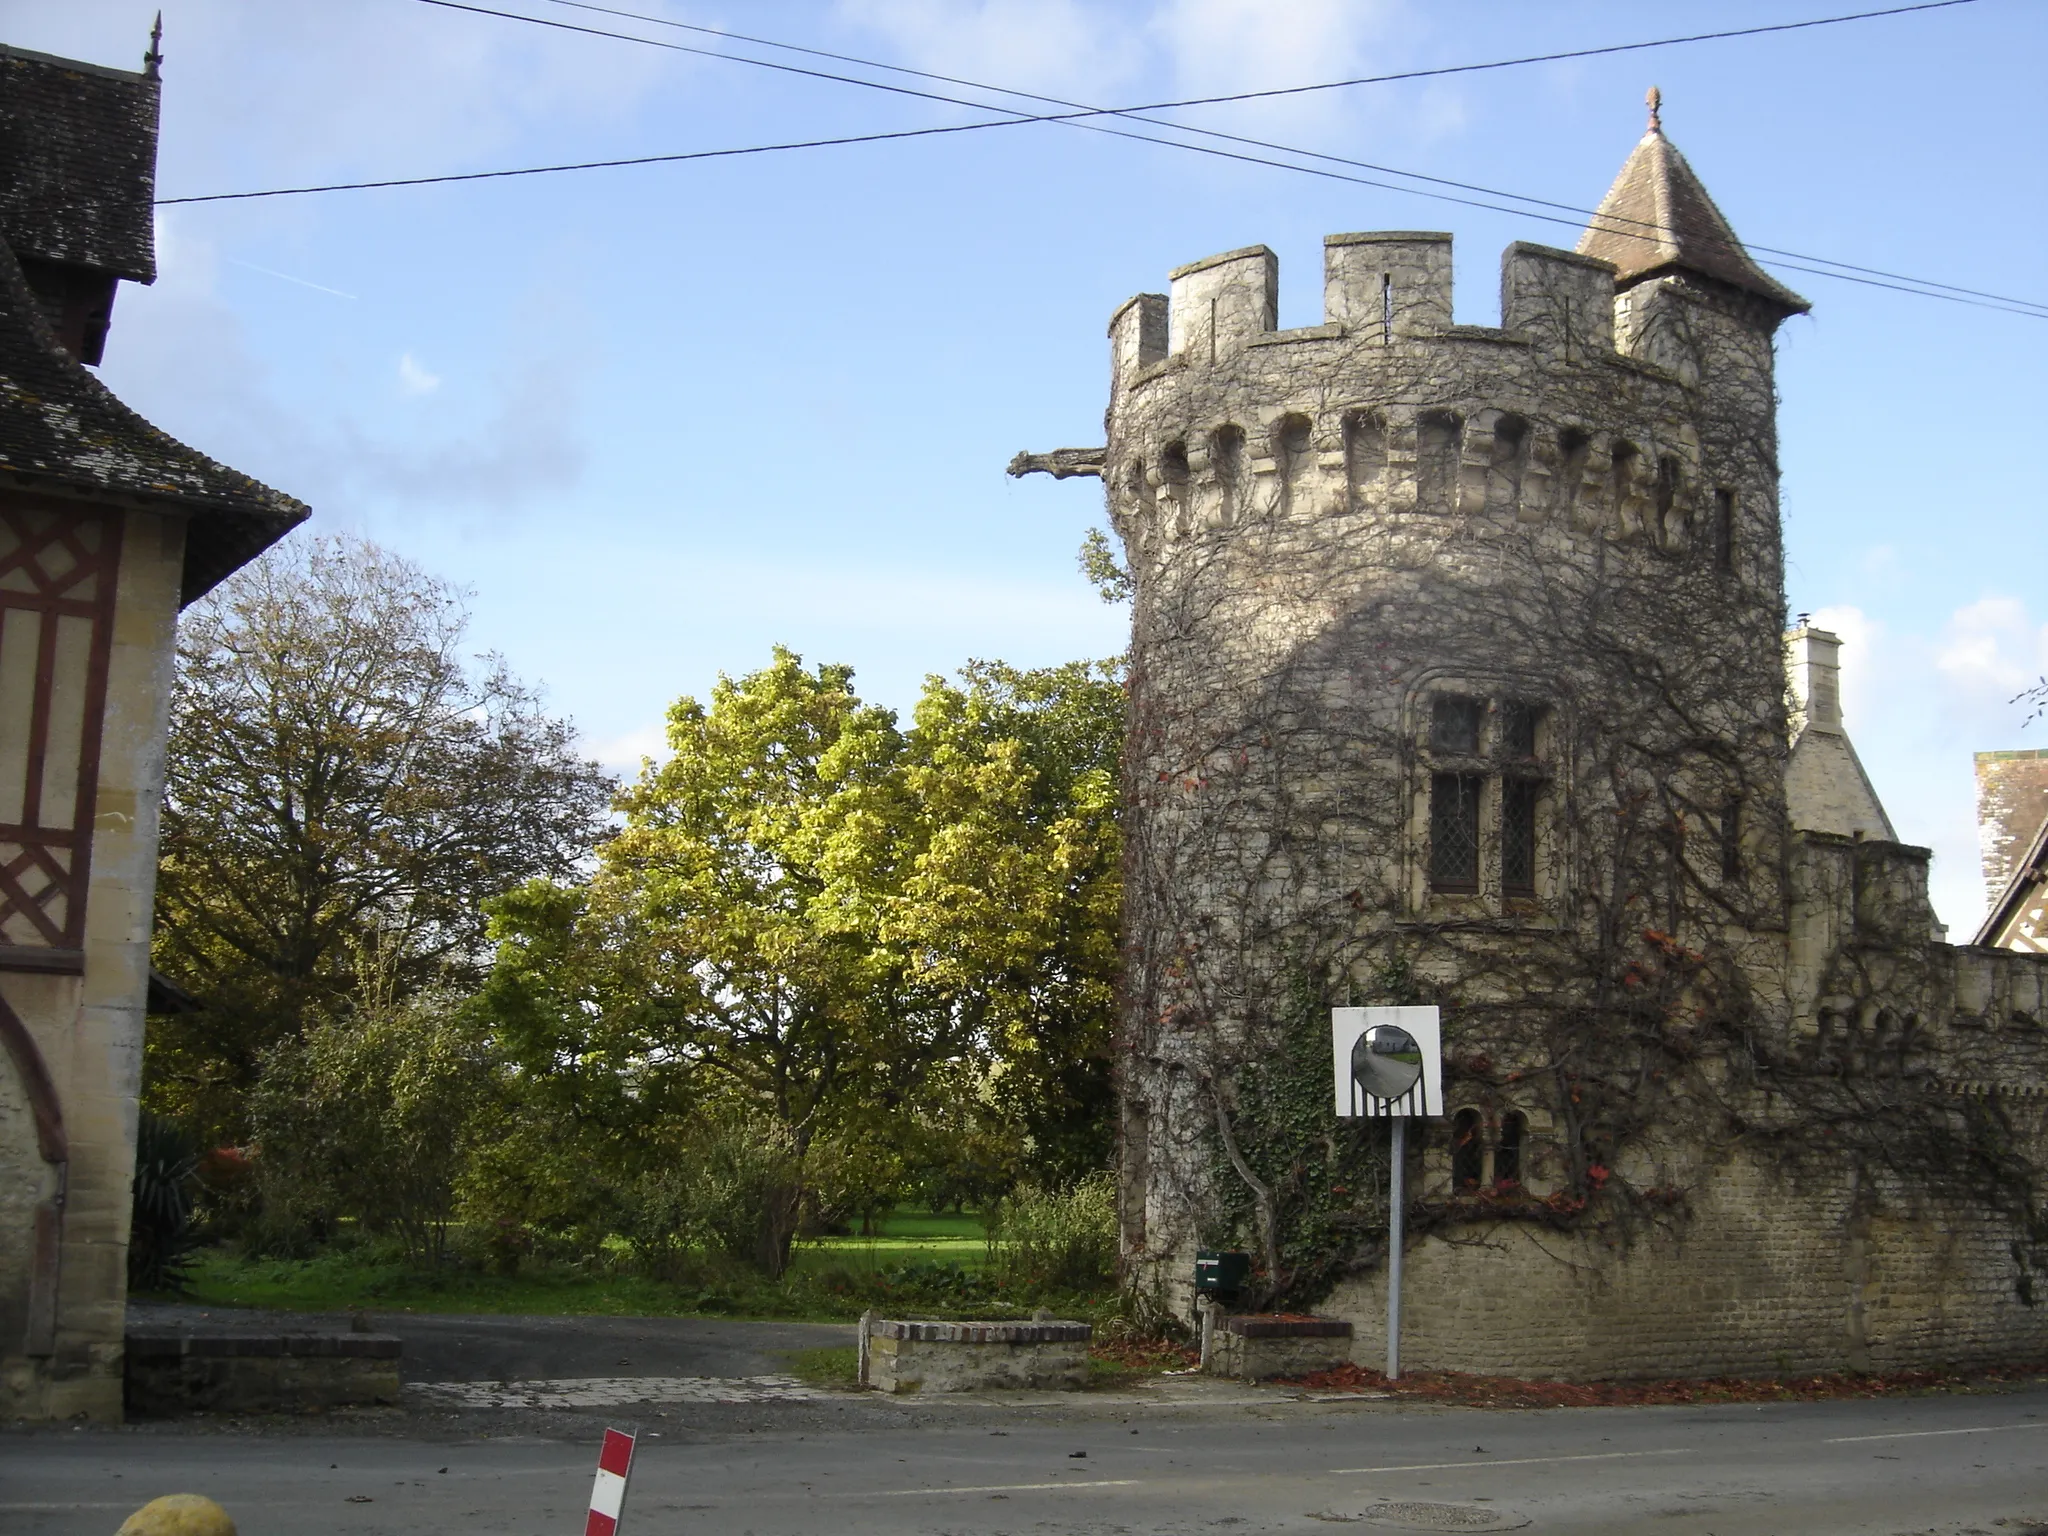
[1056, 1240]
[368, 1117]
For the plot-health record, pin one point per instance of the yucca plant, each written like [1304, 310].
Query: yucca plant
[161, 1233]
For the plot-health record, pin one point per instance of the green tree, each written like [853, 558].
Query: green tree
[1009, 906]
[724, 959]
[342, 781]
[818, 922]
[369, 1115]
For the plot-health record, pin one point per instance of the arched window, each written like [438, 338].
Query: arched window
[1173, 484]
[1510, 457]
[1439, 441]
[1226, 455]
[1623, 492]
[1574, 449]
[1507, 1153]
[1468, 1152]
[1365, 454]
[1293, 457]
[1670, 490]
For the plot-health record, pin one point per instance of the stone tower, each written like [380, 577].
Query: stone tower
[1458, 676]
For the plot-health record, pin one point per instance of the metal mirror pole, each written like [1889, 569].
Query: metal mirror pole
[1397, 1157]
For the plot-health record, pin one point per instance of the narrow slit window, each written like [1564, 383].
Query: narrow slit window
[1724, 532]
[1507, 1155]
[1518, 836]
[1731, 840]
[1454, 831]
[1468, 1151]
[1386, 308]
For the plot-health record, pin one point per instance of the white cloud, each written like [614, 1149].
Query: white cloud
[413, 379]
[1099, 52]
[181, 356]
[1062, 47]
[1992, 649]
[1219, 47]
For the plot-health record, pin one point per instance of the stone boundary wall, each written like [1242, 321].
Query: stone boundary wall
[1254, 1348]
[168, 1373]
[1763, 1278]
[899, 1356]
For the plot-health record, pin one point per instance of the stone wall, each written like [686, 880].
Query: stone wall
[1261, 1348]
[901, 1357]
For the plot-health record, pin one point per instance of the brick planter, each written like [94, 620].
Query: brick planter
[234, 1372]
[973, 1357]
[1254, 1348]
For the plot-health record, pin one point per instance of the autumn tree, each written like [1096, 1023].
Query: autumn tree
[346, 787]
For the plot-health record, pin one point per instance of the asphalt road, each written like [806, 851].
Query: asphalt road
[1259, 1461]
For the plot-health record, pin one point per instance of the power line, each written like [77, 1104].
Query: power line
[1922, 287]
[1367, 165]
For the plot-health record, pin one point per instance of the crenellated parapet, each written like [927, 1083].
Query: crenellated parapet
[1218, 417]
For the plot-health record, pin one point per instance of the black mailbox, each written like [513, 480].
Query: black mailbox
[1221, 1274]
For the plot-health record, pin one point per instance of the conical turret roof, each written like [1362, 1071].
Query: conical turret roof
[1658, 218]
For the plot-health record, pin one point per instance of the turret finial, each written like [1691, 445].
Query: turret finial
[153, 61]
[1656, 104]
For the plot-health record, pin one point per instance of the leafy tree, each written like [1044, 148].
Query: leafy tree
[370, 1115]
[724, 957]
[1009, 908]
[818, 923]
[343, 781]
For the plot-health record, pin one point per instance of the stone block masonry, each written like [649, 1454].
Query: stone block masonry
[1254, 1348]
[241, 1372]
[976, 1357]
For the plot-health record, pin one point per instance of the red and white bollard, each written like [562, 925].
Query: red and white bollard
[608, 1496]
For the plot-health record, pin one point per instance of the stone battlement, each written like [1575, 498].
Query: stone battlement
[1379, 289]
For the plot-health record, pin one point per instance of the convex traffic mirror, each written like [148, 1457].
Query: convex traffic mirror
[1386, 1063]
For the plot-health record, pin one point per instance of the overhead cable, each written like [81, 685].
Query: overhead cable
[1132, 113]
[1073, 117]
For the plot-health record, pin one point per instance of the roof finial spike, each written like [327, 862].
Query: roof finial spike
[1656, 103]
[153, 61]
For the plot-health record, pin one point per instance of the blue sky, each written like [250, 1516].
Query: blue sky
[660, 419]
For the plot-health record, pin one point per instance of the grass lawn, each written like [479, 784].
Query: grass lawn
[830, 1280]
[903, 1237]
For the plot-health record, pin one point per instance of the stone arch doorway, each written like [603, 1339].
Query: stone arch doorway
[33, 1160]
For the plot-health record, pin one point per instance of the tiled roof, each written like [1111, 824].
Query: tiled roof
[1657, 217]
[61, 427]
[78, 163]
